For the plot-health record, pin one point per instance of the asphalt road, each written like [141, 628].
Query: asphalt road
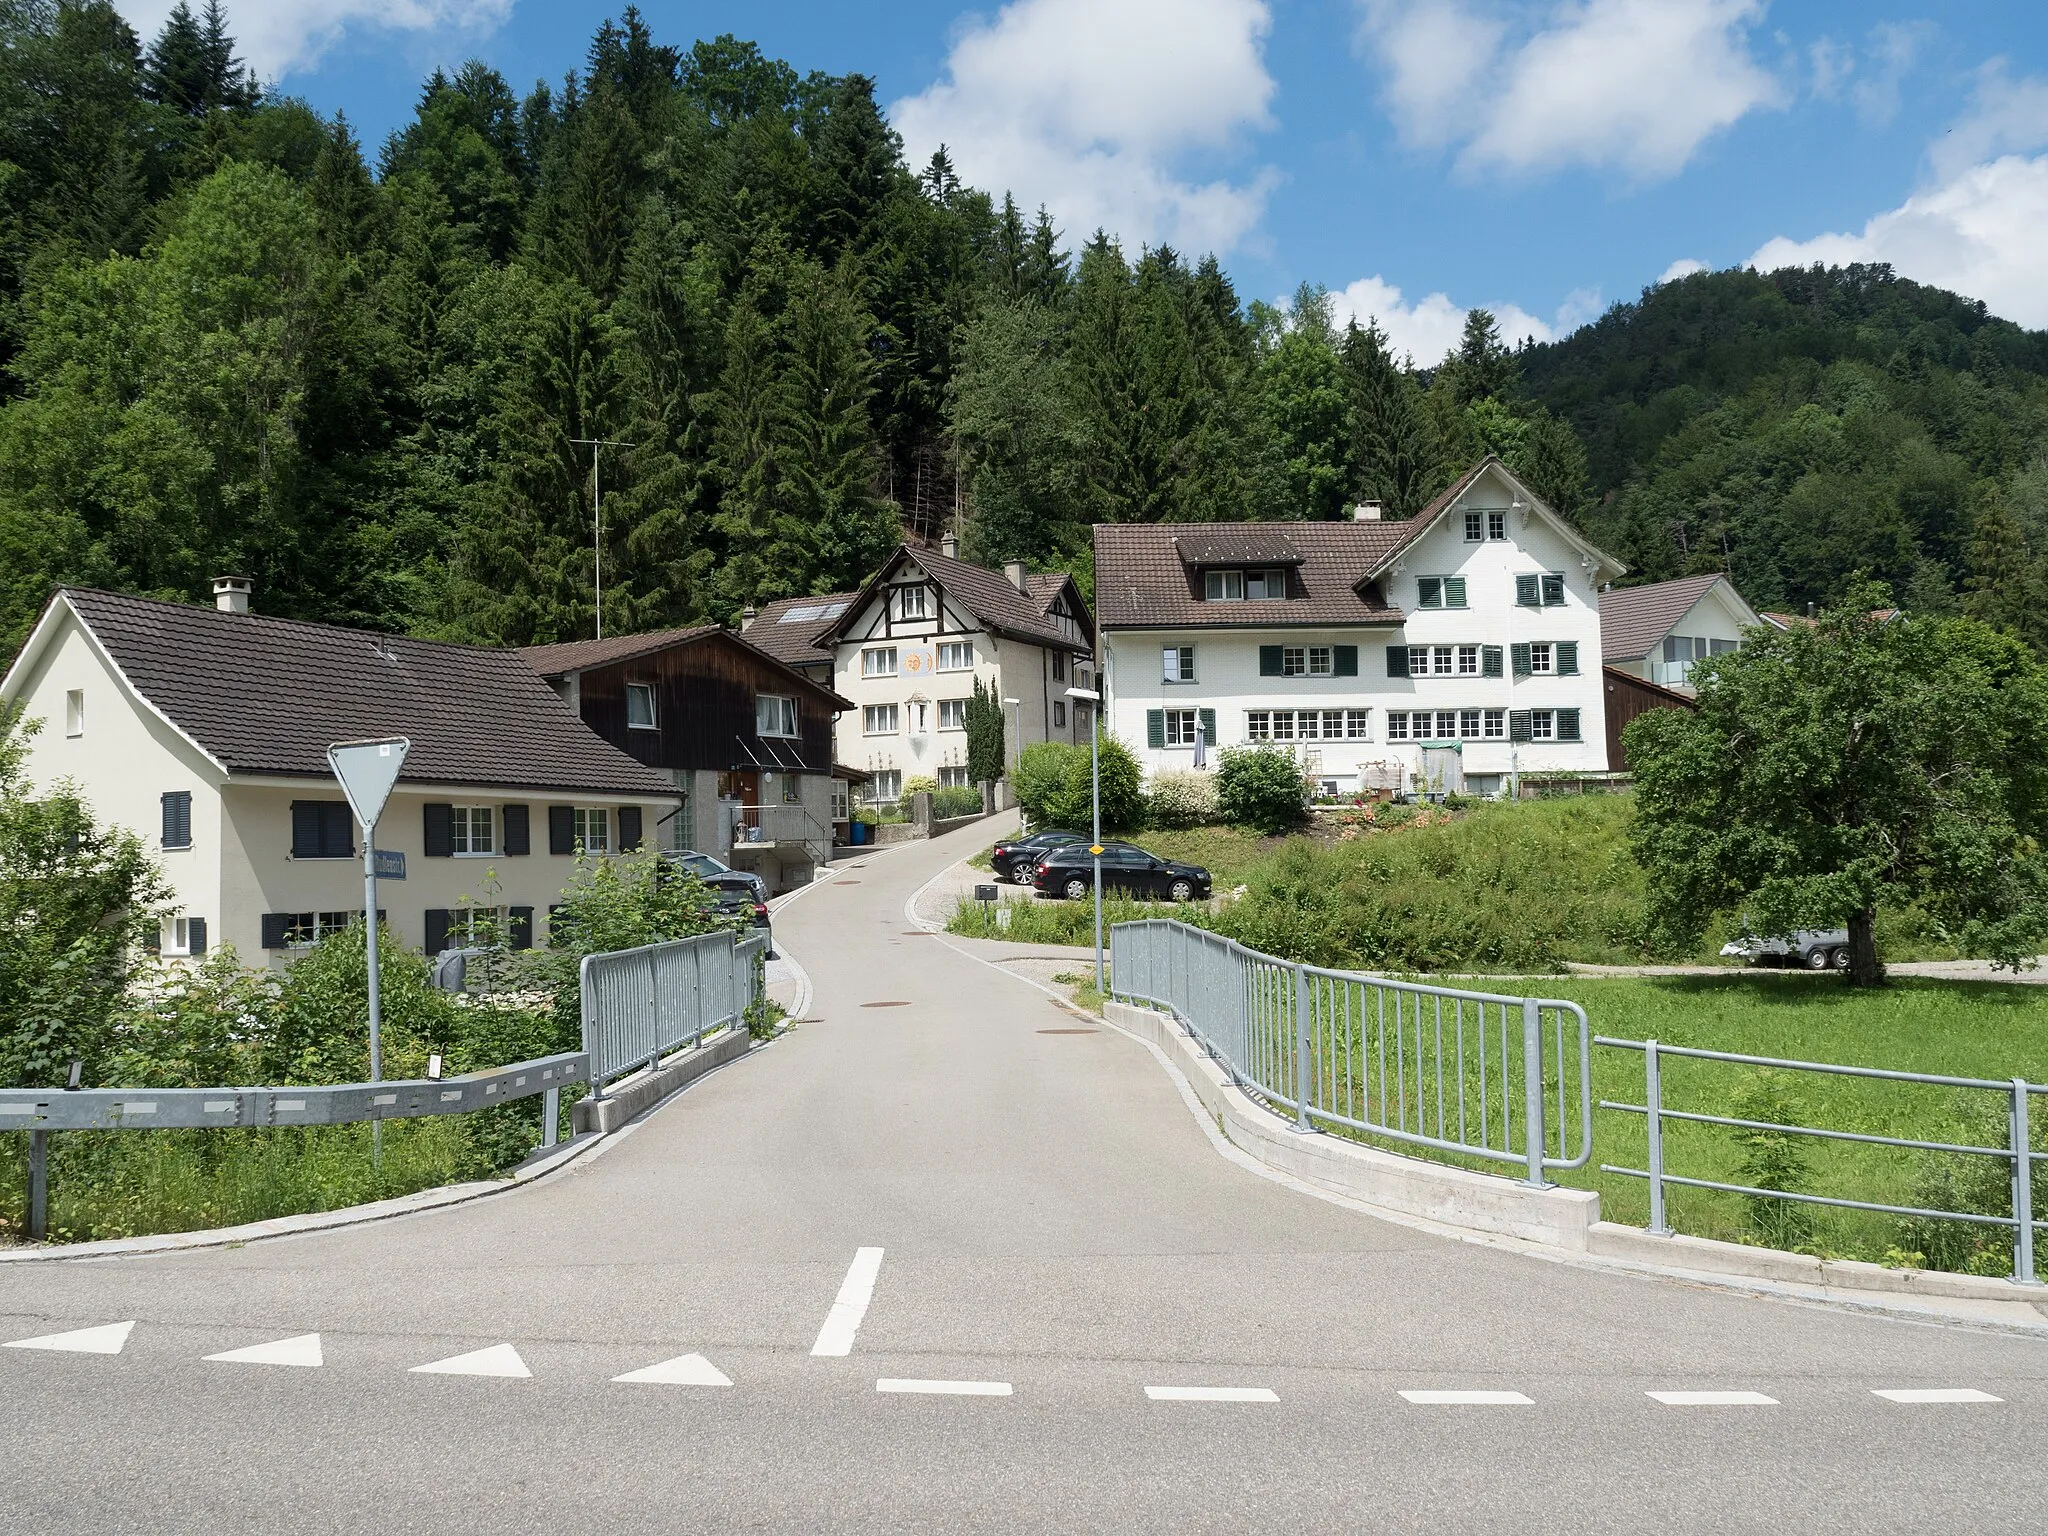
[1051, 1219]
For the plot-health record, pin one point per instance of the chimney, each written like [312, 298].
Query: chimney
[1368, 512]
[1014, 569]
[231, 593]
[949, 545]
[747, 616]
[1809, 610]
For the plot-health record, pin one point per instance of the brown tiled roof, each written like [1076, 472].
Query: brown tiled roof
[579, 655]
[1236, 544]
[265, 695]
[788, 628]
[990, 596]
[1140, 581]
[1632, 619]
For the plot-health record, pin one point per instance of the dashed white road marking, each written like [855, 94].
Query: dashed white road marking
[1713, 1399]
[851, 1305]
[945, 1388]
[683, 1371]
[1934, 1395]
[1212, 1394]
[498, 1360]
[303, 1350]
[107, 1339]
[1478, 1399]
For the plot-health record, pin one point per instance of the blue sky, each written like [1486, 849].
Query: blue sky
[1415, 156]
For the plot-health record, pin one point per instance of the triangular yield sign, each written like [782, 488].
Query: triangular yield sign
[498, 1360]
[106, 1339]
[683, 1371]
[303, 1350]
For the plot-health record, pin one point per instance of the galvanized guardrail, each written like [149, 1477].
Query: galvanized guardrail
[1440, 1067]
[2018, 1152]
[641, 1004]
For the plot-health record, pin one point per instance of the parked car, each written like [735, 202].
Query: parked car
[738, 893]
[1068, 871]
[1016, 858]
[1818, 949]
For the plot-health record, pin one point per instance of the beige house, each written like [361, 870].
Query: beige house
[204, 731]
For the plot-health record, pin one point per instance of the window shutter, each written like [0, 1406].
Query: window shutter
[1521, 651]
[1397, 661]
[561, 829]
[195, 935]
[1269, 661]
[1490, 659]
[1209, 727]
[1347, 661]
[305, 829]
[275, 925]
[1454, 591]
[437, 832]
[1518, 725]
[177, 828]
[1567, 725]
[518, 829]
[1553, 590]
[519, 932]
[1429, 592]
[629, 828]
[437, 930]
[1528, 591]
[1567, 658]
[1155, 728]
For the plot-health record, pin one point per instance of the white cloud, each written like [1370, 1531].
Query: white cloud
[1430, 327]
[1635, 85]
[1685, 266]
[1099, 108]
[276, 37]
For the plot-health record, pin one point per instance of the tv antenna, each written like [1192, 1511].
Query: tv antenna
[597, 445]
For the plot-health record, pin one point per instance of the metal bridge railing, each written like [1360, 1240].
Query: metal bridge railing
[2018, 1152]
[1474, 1073]
[641, 1004]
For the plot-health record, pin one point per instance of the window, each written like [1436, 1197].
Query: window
[1293, 660]
[1357, 723]
[918, 719]
[954, 777]
[1258, 584]
[886, 784]
[842, 807]
[792, 789]
[1304, 725]
[1177, 664]
[1241, 586]
[1307, 661]
[1320, 663]
[1540, 657]
[640, 707]
[1397, 725]
[1468, 725]
[1496, 525]
[1440, 591]
[590, 825]
[956, 656]
[74, 712]
[1447, 725]
[1059, 711]
[878, 720]
[177, 829]
[302, 930]
[910, 602]
[185, 936]
[1059, 666]
[472, 830]
[952, 714]
[322, 829]
[774, 714]
[1258, 725]
[878, 661]
[1543, 725]
[1283, 725]
[1475, 529]
[1468, 661]
[1180, 727]
[1496, 724]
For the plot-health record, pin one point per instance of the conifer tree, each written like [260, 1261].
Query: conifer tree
[1393, 447]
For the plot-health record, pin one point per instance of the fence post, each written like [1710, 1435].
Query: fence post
[38, 1185]
[1301, 1048]
[1653, 1101]
[598, 1059]
[2022, 1188]
[1532, 1090]
[550, 1116]
[653, 1013]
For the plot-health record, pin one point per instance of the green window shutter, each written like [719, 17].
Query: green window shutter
[1528, 591]
[1346, 661]
[1567, 658]
[1269, 661]
[1567, 725]
[1454, 591]
[1429, 592]
[1209, 726]
[1521, 651]
[1397, 661]
[1553, 590]
[1518, 725]
[1155, 728]
[1490, 659]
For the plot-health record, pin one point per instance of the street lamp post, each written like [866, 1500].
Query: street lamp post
[1015, 744]
[1093, 700]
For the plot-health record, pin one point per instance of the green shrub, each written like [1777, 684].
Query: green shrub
[919, 784]
[1123, 790]
[956, 800]
[1261, 788]
[1042, 773]
[1773, 1159]
[1179, 798]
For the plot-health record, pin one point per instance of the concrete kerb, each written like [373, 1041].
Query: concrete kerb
[631, 1097]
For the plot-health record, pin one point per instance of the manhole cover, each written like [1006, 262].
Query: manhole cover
[898, 1003]
[1070, 1031]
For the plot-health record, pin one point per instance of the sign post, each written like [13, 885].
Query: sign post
[1093, 700]
[367, 770]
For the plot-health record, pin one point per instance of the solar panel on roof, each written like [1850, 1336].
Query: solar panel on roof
[802, 615]
[833, 610]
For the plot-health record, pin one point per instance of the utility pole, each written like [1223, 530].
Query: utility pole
[597, 445]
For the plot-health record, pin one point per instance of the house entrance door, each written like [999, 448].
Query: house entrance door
[742, 788]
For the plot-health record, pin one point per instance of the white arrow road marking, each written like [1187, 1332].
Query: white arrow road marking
[683, 1371]
[855, 1292]
[1212, 1394]
[303, 1350]
[498, 1360]
[106, 1339]
[1713, 1399]
[1479, 1399]
[1934, 1395]
[945, 1388]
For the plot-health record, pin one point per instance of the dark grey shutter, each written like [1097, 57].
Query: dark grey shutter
[1567, 658]
[629, 828]
[305, 829]
[1521, 650]
[1454, 591]
[1155, 731]
[1518, 725]
[177, 828]
[1567, 725]
[1553, 590]
[1209, 726]
[276, 925]
[518, 831]
[338, 837]
[1397, 661]
[561, 829]
[437, 832]
[1429, 592]
[519, 932]
[1490, 659]
[437, 930]
[1528, 591]
[195, 935]
[1347, 661]
[1269, 661]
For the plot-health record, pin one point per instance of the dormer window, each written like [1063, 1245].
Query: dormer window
[1244, 586]
[910, 603]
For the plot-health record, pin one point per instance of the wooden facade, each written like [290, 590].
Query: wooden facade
[706, 691]
[1628, 696]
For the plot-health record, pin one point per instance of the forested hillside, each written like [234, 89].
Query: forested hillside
[374, 379]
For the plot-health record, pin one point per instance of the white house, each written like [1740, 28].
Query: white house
[1657, 632]
[1451, 649]
[204, 731]
[907, 649]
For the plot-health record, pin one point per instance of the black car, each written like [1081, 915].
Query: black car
[1069, 871]
[1016, 858]
[738, 893]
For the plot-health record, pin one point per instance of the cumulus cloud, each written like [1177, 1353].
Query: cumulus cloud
[276, 37]
[1104, 110]
[1634, 85]
[1428, 328]
[1685, 266]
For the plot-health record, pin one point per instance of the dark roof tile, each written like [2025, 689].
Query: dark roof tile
[1141, 582]
[788, 628]
[1632, 619]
